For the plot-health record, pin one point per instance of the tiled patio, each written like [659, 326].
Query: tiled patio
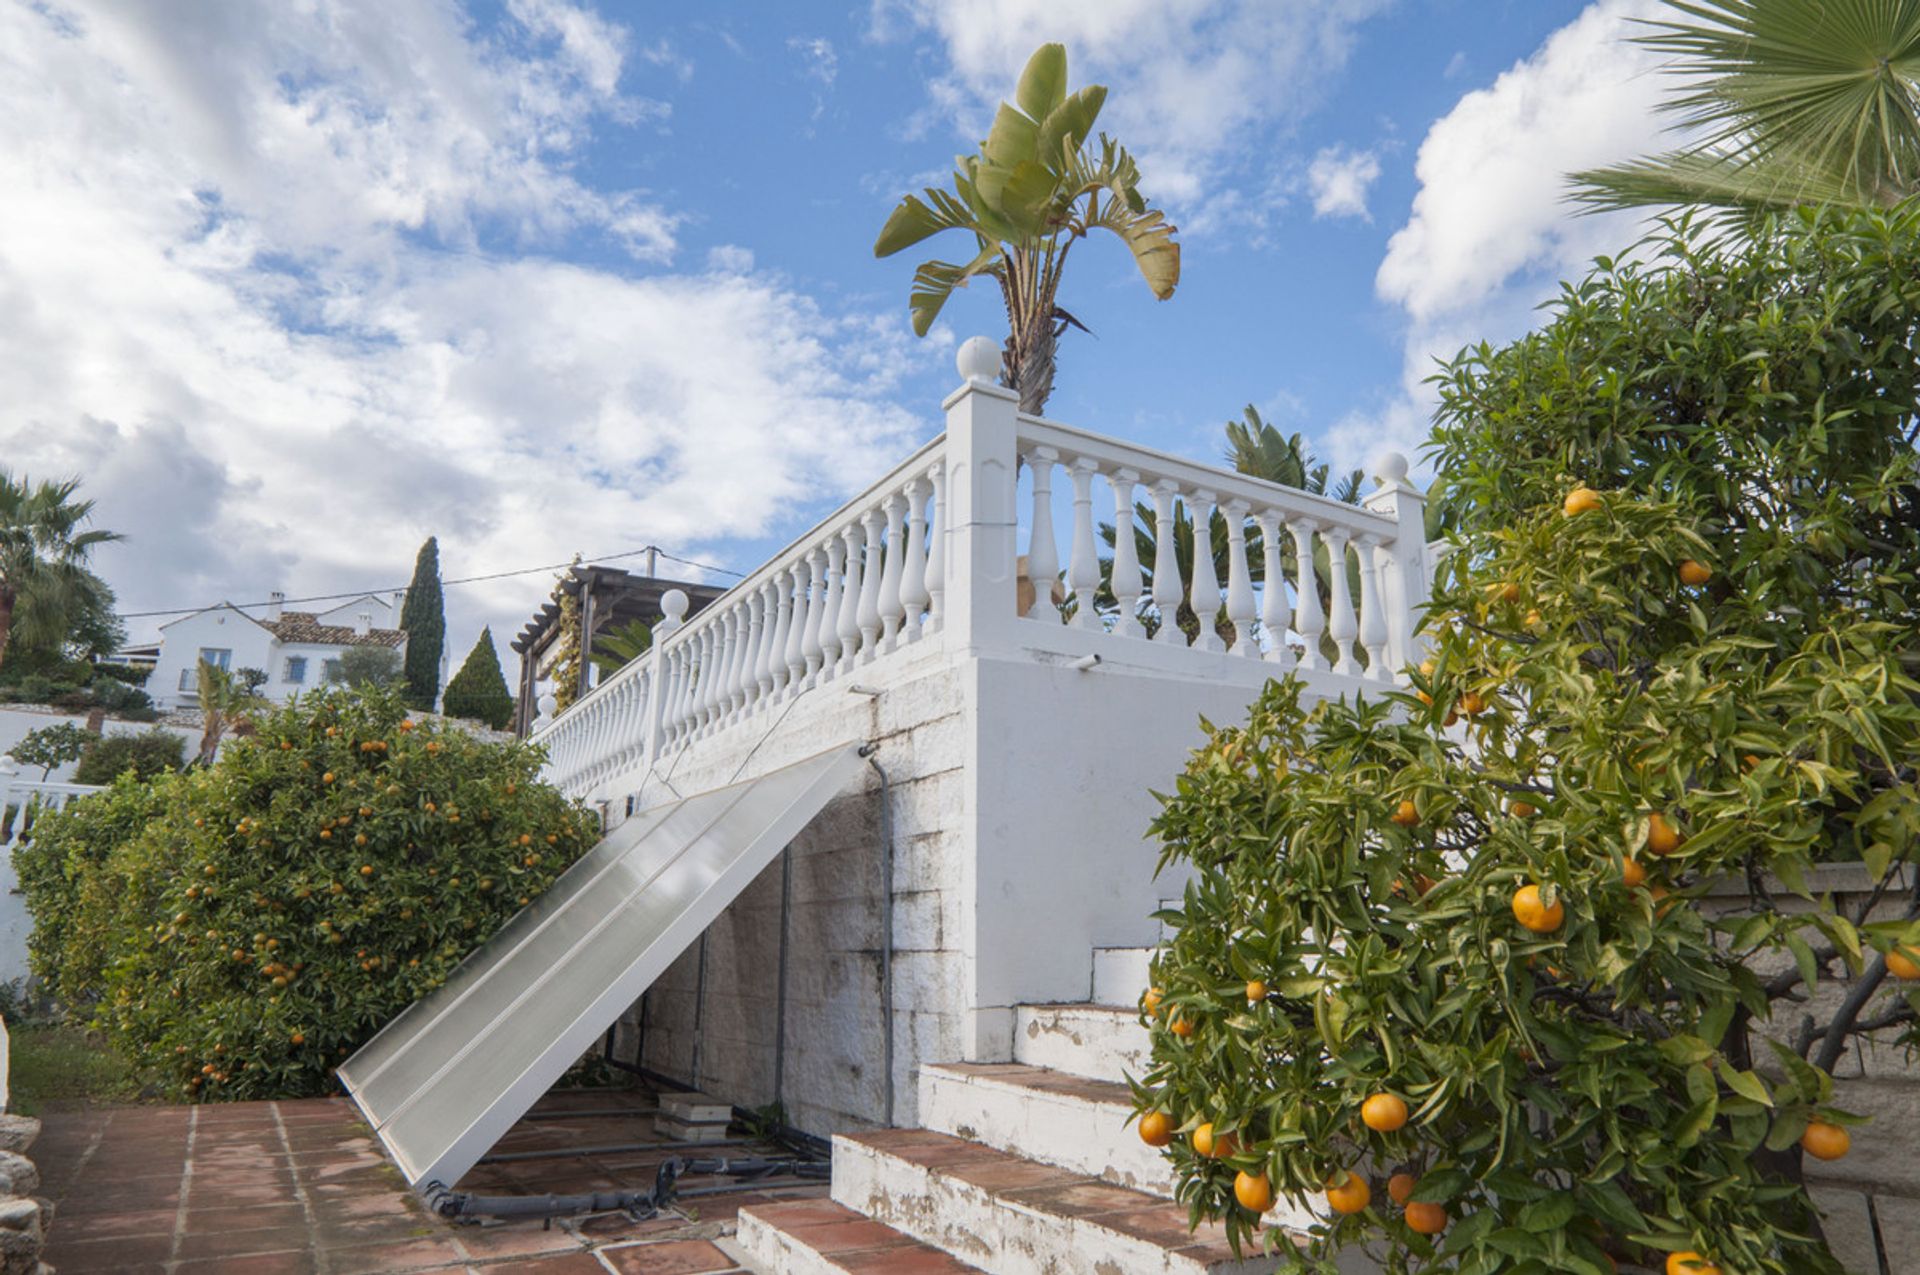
[301, 1188]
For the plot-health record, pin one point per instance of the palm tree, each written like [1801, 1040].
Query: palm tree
[1797, 102]
[226, 704]
[44, 581]
[614, 649]
[1035, 189]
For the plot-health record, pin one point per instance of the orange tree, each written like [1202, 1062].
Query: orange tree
[242, 927]
[1445, 970]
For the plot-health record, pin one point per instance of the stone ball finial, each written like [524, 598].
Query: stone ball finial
[979, 359]
[674, 603]
[1390, 468]
[548, 704]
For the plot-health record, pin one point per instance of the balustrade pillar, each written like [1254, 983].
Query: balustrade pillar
[1406, 575]
[1307, 618]
[1373, 624]
[1240, 610]
[868, 615]
[938, 516]
[891, 610]
[793, 621]
[1206, 577]
[1043, 555]
[1168, 588]
[1083, 563]
[1340, 619]
[1273, 593]
[852, 584]
[810, 648]
[836, 551]
[1126, 582]
[914, 597]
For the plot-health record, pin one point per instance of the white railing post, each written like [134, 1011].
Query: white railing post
[977, 514]
[1043, 555]
[874, 571]
[1127, 585]
[1204, 588]
[1240, 583]
[1083, 566]
[1307, 620]
[914, 597]
[1167, 586]
[1274, 612]
[1406, 577]
[892, 611]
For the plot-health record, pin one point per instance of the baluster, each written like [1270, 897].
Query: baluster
[836, 551]
[937, 546]
[722, 653]
[686, 662]
[816, 605]
[710, 673]
[1373, 620]
[700, 698]
[1126, 555]
[755, 649]
[1308, 622]
[848, 625]
[1043, 556]
[1206, 577]
[1167, 586]
[913, 578]
[781, 610]
[740, 648]
[871, 571]
[1083, 563]
[1340, 621]
[793, 601]
[891, 610]
[1273, 593]
[1240, 609]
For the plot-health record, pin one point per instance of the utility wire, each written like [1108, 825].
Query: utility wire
[496, 575]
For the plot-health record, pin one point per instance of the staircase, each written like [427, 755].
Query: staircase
[1023, 1168]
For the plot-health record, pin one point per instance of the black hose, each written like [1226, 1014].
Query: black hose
[464, 1206]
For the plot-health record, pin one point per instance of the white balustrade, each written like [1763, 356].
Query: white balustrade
[931, 552]
[30, 799]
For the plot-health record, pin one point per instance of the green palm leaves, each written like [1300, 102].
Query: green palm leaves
[1036, 187]
[1798, 101]
[44, 581]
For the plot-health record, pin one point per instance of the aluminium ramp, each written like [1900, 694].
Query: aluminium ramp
[443, 1081]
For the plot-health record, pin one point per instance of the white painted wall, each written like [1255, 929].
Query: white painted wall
[222, 628]
[17, 720]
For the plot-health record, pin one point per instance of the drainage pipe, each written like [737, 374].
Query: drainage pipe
[886, 917]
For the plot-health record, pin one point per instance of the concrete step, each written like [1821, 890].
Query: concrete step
[819, 1237]
[1120, 975]
[1067, 1121]
[1102, 1042]
[1012, 1216]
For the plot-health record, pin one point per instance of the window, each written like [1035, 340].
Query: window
[330, 671]
[219, 659]
[296, 670]
[189, 678]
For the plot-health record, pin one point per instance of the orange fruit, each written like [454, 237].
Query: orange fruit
[1151, 1001]
[1383, 1112]
[1349, 1195]
[1524, 809]
[1900, 963]
[1695, 573]
[1825, 1141]
[366, 869]
[1580, 500]
[327, 778]
[1204, 1143]
[1406, 814]
[1690, 1264]
[1473, 704]
[1253, 1191]
[1662, 837]
[1533, 618]
[1156, 1128]
[1633, 874]
[1428, 1219]
[1400, 1187]
[1181, 1027]
[1256, 992]
[298, 1038]
[1534, 914]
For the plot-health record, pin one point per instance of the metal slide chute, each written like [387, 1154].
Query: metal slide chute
[443, 1081]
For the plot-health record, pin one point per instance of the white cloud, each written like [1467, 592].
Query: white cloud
[1339, 180]
[255, 265]
[818, 56]
[1193, 85]
[1491, 233]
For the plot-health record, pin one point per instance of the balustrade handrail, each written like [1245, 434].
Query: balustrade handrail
[1190, 475]
[714, 612]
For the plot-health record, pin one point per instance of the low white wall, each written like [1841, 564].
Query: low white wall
[16, 720]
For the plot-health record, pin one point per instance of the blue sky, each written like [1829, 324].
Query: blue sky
[292, 287]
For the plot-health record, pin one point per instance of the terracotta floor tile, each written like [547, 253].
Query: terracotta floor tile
[272, 1239]
[111, 1226]
[679, 1257]
[513, 1239]
[219, 1217]
[571, 1264]
[253, 1264]
[107, 1255]
[914, 1261]
[411, 1255]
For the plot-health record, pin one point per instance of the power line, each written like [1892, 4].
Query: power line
[495, 575]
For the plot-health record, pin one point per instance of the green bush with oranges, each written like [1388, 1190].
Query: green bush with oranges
[241, 928]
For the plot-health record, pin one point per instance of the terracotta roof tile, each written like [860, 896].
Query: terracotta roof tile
[304, 626]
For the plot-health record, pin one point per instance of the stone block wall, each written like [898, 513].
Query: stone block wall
[723, 1032]
[1869, 1199]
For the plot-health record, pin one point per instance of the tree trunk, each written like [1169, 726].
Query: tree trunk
[6, 619]
[1028, 364]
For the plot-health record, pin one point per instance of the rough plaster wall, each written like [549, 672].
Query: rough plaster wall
[832, 1077]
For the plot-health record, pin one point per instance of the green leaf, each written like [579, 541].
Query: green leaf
[1011, 141]
[1043, 83]
[1747, 1085]
[1441, 1186]
[1068, 126]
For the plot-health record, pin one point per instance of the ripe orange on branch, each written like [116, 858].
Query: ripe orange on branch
[1824, 1141]
[1901, 963]
[1253, 1191]
[1406, 814]
[1532, 911]
[1662, 837]
[1427, 1219]
[1690, 1263]
[1156, 1128]
[1384, 1112]
[1400, 1187]
[1580, 500]
[1349, 1195]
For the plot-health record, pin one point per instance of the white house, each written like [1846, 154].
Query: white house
[297, 650]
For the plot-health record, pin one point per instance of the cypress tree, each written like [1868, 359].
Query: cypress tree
[479, 690]
[425, 621]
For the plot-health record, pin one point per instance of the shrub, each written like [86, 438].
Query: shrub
[478, 691]
[1678, 630]
[149, 753]
[367, 665]
[131, 674]
[120, 698]
[263, 917]
[52, 746]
